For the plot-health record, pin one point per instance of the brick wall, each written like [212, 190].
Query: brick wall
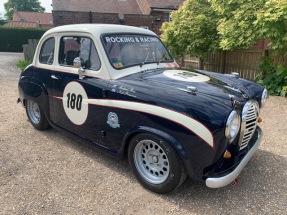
[152, 21]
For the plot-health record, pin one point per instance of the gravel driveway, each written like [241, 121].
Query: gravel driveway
[51, 173]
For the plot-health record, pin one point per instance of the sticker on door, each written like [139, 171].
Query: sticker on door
[74, 102]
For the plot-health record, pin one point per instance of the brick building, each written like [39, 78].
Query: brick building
[141, 13]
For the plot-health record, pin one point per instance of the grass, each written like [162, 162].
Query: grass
[22, 64]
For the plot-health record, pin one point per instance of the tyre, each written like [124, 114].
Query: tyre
[36, 115]
[155, 163]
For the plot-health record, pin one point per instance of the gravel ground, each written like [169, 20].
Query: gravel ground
[50, 173]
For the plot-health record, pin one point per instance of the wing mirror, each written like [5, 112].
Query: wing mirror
[79, 63]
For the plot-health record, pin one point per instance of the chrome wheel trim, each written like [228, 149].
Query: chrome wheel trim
[151, 161]
[33, 111]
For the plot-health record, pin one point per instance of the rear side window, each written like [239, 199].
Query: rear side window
[47, 51]
[76, 46]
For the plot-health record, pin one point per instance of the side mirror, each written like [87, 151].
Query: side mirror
[79, 63]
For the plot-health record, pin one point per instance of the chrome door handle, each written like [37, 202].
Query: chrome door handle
[55, 77]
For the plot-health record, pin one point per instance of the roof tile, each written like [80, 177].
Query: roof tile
[101, 6]
[41, 18]
[21, 24]
[171, 4]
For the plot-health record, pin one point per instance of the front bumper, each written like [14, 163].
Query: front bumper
[227, 179]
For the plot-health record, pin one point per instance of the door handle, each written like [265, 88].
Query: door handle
[55, 77]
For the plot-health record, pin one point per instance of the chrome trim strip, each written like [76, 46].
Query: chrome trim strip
[227, 179]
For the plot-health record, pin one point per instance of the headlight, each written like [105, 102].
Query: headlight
[264, 97]
[232, 125]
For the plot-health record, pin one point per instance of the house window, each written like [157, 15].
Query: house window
[167, 17]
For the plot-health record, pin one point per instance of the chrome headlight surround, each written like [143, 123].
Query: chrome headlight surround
[264, 97]
[232, 125]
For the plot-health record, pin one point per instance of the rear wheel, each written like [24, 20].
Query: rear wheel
[155, 163]
[36, 115]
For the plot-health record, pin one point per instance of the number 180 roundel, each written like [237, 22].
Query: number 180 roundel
[74, 102]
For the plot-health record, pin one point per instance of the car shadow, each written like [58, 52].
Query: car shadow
[262, 183]
[262, 187]
[91, 151]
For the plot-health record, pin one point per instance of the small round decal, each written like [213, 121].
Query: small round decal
[187, 76]
[113, 120]
[74, 102]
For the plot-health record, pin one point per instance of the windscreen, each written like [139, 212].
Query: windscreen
[126, 50]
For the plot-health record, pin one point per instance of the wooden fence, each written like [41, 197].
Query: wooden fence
[245, 62]
[29, 49]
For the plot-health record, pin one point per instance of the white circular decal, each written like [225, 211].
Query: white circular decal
[74, 102]
[184, 75]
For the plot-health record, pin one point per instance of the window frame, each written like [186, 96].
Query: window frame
[92, 44]
[42, 48]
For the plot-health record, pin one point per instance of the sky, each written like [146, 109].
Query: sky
[44, 3]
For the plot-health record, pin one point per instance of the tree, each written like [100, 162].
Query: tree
[193, 29]
[201, 26]
[244, 22]
[22, 5]
[2, 22]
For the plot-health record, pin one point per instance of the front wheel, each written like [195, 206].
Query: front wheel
[36, 115]
[155, 163]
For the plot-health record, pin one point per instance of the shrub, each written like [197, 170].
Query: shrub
[272, 76]
[22, 64]
[13, 39]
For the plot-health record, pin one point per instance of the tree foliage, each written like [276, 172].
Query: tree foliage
[22, 5]
[244, 22]
[273, 77]
[192, 30]
[200, 26]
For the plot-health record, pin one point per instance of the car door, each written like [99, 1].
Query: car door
[71, 109]
[43, 70]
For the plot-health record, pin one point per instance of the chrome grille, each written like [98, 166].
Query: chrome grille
[250, 115]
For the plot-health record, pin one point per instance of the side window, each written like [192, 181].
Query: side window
[47, 51]
[83, 47]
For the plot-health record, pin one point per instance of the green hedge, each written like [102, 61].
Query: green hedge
[12, 39]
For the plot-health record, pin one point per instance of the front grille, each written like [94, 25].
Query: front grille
[250, 115]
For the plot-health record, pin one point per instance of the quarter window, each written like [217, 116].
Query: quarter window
[47, 51]
[76, 46]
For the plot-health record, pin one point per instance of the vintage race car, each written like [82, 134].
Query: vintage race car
[118, 88]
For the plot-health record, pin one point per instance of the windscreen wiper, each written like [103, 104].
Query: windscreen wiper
[145, 58]
[161, 59]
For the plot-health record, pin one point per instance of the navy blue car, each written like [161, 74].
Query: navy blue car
[119, 89]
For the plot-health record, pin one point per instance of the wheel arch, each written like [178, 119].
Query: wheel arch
[144, 129]
[37, 93]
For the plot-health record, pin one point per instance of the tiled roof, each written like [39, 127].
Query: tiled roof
[170, 4]
[41, 18]
[101, 6]
[115, 6]
[147, 5]
[21, 24]
[144, 6]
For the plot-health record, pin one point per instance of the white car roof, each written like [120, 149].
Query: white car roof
[98, 29]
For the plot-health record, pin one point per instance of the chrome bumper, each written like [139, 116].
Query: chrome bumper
[227, 179]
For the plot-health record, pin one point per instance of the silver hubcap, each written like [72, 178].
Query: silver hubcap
[33, 112]
[151, 161]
